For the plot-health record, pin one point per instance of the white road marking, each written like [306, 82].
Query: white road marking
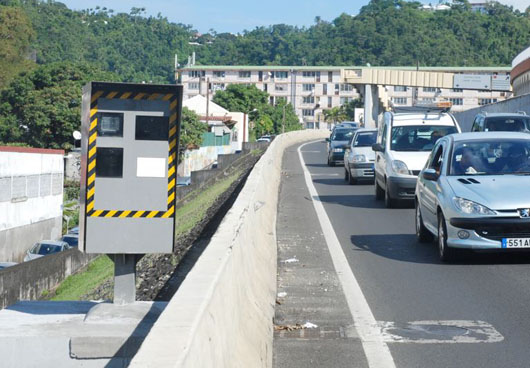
[332, 174]
[440, 332]
[311, 151]
[375, 348]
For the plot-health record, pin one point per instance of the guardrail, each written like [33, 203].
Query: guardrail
[221, 316]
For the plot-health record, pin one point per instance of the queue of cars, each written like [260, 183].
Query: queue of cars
[46, 247]
[469, 189]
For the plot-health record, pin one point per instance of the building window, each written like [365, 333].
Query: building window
[218, 74]
[280, 75]
[429, 89]
[193, 85]
[457, 90]
[280, 87]
[400, 88]
[308, 112]
[345, 87]
[307, 87]
[244, 74]
[308, 74]
[345, 100]
[330, 76]
[428, 99]
[330, 100]
[399, 100]
[196, 73]
[325, 89]
[309, 100]
[486, 101]
[457, 101]
[218, 86]
[337, 87]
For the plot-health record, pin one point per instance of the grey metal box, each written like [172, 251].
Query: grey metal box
[129, 148]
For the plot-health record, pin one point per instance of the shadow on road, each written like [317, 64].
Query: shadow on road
[405, 248]
[358, 201]
[333, 181]
[317, 165]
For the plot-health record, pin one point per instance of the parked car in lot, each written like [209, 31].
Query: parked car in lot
[359, 157]
[337, 143]
[44, 248]
[404, 141]
[265, 138]
[71, 239]
[501, 122]
[6, 264]
[472, 193]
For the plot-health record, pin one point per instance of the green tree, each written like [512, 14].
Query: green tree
[191, 131]
[349, 108]
[241, 98]
[334, 115]
[16, 35]
[42, 107]
[264, 125]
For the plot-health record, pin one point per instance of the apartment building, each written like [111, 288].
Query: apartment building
[311, 90]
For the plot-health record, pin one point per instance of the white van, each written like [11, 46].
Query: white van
[404, 142]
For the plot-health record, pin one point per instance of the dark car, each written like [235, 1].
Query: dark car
[501, 122]
[337, 143]
[71, 239]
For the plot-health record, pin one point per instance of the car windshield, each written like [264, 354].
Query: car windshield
[71, 240]
[342, 134]
[365, 139]
[491, 157]
[44, 249]
[418, 137]
[507, 124]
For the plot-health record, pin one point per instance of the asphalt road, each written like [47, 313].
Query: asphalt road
[403, 281]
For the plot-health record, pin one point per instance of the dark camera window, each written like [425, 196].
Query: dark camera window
[110, 125]
[109, 162]
[152, 128]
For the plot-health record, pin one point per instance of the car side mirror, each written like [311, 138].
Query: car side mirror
[430, 174]
[377, 147]
[327, 139]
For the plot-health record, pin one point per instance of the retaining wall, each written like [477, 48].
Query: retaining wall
[520, 103]
[221, 316]
[28, 280]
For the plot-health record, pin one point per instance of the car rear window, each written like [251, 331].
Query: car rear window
[342, 134]
[507, 124]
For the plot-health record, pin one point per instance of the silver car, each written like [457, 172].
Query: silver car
[359, 157]
[44, 248]
[473, 193]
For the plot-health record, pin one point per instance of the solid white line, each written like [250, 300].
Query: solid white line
[320, 174]
[376, 350]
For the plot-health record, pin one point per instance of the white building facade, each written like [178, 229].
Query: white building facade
[311, 90]
[31, 199]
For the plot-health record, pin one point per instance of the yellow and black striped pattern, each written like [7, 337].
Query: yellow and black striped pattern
[91, 159]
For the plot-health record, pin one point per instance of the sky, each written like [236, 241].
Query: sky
[238, 15]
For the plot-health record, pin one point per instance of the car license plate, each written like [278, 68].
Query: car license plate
[516, 243]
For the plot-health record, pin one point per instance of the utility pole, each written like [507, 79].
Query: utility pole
[283, 118]
[207, 101]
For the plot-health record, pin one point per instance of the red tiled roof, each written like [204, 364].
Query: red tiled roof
[31, 150]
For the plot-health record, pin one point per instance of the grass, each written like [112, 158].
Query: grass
[75, 286]
[102, 268]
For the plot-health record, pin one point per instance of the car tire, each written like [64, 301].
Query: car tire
[447, 254]
[379, 192]
[330, 163]
[346, 175]
[389, 202]
[422, 233]
[351, 179]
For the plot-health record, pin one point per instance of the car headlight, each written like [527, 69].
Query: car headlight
[337, 149]
[359, 158]
[399, 167]
[471, 208]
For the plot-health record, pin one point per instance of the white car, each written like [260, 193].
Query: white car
[404, 141]
[44, 248]
[359, 157]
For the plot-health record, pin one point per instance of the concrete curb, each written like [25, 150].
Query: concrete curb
[222, 314]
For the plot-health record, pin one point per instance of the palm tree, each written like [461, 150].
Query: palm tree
[334, 115]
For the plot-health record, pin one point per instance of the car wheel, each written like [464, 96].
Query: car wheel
[422, 233]
[447, 254]
[346, 175]
[379, 193]
[389, 202]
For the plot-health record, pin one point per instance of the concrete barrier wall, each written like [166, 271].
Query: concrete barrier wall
[221, 316]
[29, 280]
[520, 103]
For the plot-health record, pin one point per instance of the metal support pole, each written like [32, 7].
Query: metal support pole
[124, 278]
